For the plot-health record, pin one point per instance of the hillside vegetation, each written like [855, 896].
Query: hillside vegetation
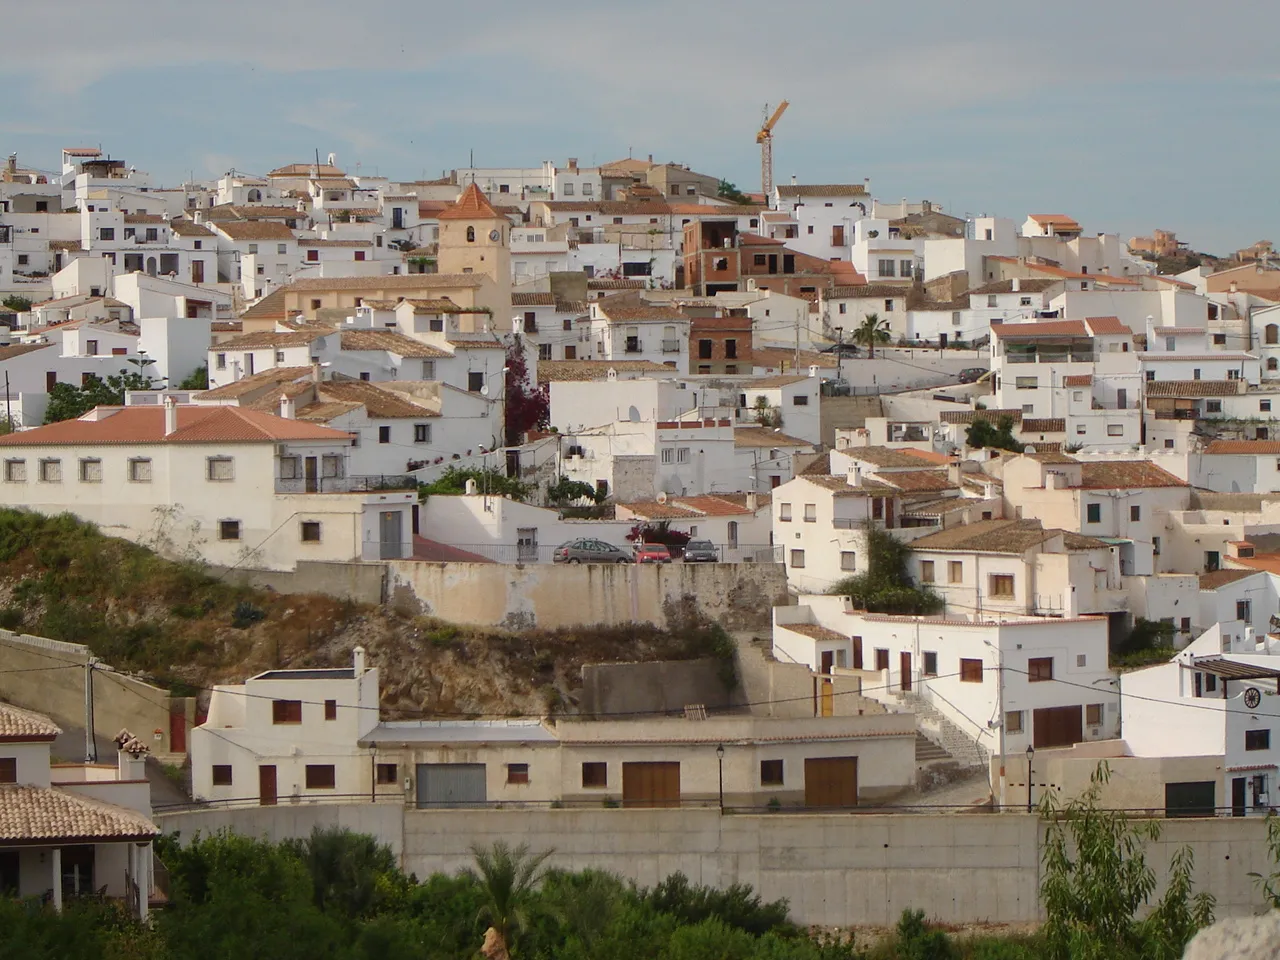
[179, 624]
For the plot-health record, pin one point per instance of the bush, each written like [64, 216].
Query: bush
[886, 587]
[246, 615]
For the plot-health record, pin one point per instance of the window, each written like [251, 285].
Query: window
[517, 773]
[784, 512]
[800, 400]
[1115, 429]
[758, 260]
[1001, 585]
[139, 470]
[51, 471]
[568, 190]
[220, 468]
[1093, 513]
[286, 711]
[320, 776]
[930, 663]
[310, 531]
[955, 571]
[926, 571]
[384, 434]
[107, 233]
[1039, 669]
[1024, 301]
[1155, 546]
[24, 259]
[1081, 659]
[888, 305]
[810, 513]
[1081, 429]
[1013, 721]
[970, 671]
[1213, 406]
[797, 559]
[387, 773]
[882, 658]
[8, 769]
[771, 773]
[15, 471]
[475, 381]
[848, 560]
[731, 349]
[669, 455]
[220, 361]
[885, 268]
[422, 433]
[1257, 739]
[228, 529]
[90, 470]
[1026, 383]
[290, 468]
[1212, 561]
[313, 256]
[428, 369]
[682, 455]
[704, 349]
[1244, 610]
[253, 248]
[279, 356]
[1093, 714]
[595, 774]
[906, 268]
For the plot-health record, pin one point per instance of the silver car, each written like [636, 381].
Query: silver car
[587, 550]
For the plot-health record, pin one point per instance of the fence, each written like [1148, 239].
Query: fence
[545, 552]
[347, 484]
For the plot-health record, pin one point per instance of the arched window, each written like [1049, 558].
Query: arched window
[255, 196]
[1273, 333]
[471, 234]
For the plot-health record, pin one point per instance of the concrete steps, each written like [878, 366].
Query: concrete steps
[934, 727]
[927, 751]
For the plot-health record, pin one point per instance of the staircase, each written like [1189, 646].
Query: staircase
[941, 733]
[927, 751]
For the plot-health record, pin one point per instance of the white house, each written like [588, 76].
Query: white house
[624, 326]
[506, 530]
[289, 736]
[738, 524]
[823, 215]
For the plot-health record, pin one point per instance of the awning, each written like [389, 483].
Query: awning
[1234, 669]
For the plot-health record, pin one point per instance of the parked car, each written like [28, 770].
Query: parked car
[652, 553]
[843, 349]
[700, 551]
[972, 374]
[586, 550]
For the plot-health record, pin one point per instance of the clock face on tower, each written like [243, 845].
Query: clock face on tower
[495, 235]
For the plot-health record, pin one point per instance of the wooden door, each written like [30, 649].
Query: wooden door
[1058, 726]
[652, 784]
[828, 702]
[857, 653]
[828, 658]
[267, 785]
[177, 729]
[904, 670]
[197, 271]
[311, 471]
[831, 782]
[1238, 793]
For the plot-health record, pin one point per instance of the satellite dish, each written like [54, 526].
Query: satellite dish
[662, 496]
[484, 390]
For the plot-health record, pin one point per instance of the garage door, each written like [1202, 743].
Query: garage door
[651, 784]
[1058, 726]
[450, 784]
[831, 782]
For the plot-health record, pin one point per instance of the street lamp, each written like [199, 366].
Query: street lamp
[720, 765]
[1031, 752]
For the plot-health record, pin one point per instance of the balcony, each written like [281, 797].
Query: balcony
[670, 346]
[356, 484]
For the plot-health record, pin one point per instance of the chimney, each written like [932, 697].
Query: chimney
[131, 761]
[1071, 609]
[855, 475]
[651, 158]
[753, 502]
[170, 416]
[1017, 284]
[573, 164]
[286, 407]
[315, 371]
[1234, 287]
[793, 179]
[471, 488]
[357, 662]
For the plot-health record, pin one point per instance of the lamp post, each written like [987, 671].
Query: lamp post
[1031, 752]
[720, 766]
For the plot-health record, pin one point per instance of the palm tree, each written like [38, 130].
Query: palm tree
[508, 878]
[871, 331]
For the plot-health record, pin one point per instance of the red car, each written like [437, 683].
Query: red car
[652, 553]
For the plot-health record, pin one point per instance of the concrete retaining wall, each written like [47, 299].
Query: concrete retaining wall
[835, 869]
[361, 582]
[738, 595]
[658, 687]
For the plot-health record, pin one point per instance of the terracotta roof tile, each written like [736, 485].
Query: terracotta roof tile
[629, 307]
[1078, 541]
[1255, 448]
[270, 307]
[918, 481]
[471, 205]
[18, 725]
[273, 338]
[532, 299]
[822, 190]
[841, 487]
[42, 813]
[306, 170]
[255, 230]
[1193, 388]
[1044, 425]
[403, 281]
[1078, 380]
[815, 632]
[18, 349]
[986, 536]
[1032, 285]
[1040, 328]
[391, 342]
[1055, 219]
[1125, 474]
[1220, 578]
[196, 424]
[189, 228]
[378, 401]
[616, 284]
[552, 371]
[765, 437]
[144, 218]
[887, 457]
[1107, 326]
[246, 385]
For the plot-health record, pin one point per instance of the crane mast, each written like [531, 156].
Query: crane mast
[765, 139]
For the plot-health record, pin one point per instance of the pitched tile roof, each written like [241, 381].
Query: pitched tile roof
[1107, 326]
[1245, 447]
[1044, 425]
[144, 218]
[402, 281]
[189, 228]
[1057, 219]
[765, 437]
[552, 371]
[255, 230]
[18, 725]
[392, 342]
[532, 299]
[918, 481]
[822, 190]
[1125, 474]
[196, 424]
[30, 814]
[629, 307]
[273, 338]
[18, 349]
[247, 385]
[270, 307]
[841, 487]
[1078, 541]
[987, 536]
[1029, 285]
[1078, 380]
[378, 401]
[888, 457]
[306, 170]
[471, 205]
[815, 631]
[1040, 328]
[1193, 388]
[232, 211]
[1220, 578]
[722, 505]
[1052, 456]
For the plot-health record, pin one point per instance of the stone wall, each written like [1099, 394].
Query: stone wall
[738, 595]
[663, 686]
[361, 582]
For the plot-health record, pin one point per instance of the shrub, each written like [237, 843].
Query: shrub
[246, 615]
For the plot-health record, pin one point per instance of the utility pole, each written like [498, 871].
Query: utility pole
[90, 743]
[839, 351]
[795, 363]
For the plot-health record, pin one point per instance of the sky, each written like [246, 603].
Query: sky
[1127, 115]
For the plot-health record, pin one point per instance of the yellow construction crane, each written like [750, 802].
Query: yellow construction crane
[765, 139]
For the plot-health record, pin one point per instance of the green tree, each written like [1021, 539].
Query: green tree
[508, 878]
[871, 331]
[1096, 878]
[981, 434]
[454, 481]
[16, 303]
[565, 490]
[345, 869]
[197, 379]
[67, 401]
[886, 587]
[1270, 884]
[730, 192]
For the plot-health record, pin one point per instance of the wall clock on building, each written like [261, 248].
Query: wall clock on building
[1252, 697]
[495, 235]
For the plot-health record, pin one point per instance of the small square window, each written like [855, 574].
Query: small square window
[228, 529]
[51, 471]
[926, 571]
[595, 775]
[387, 774]
[1013, 721]
[8, 769]
[771, 773]
[517, 773]
[1135, 512]
[331, 709]
[286, 711]
[15, 471]
[1093, 513]
[422, 433]
[810, 513]
[90, 470]
[930, 663]
[320, 776]
[797, 559]
[1081, 659]
[384, 434]
[279, 356]
[1093, 714]
[1039, 669]
[140, 470]
[221, 774]
[848, 561]
[220, 468]
[310, 531]
[970, 671]
[1257, 739]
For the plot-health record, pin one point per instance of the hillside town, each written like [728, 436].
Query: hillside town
[935, 487]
